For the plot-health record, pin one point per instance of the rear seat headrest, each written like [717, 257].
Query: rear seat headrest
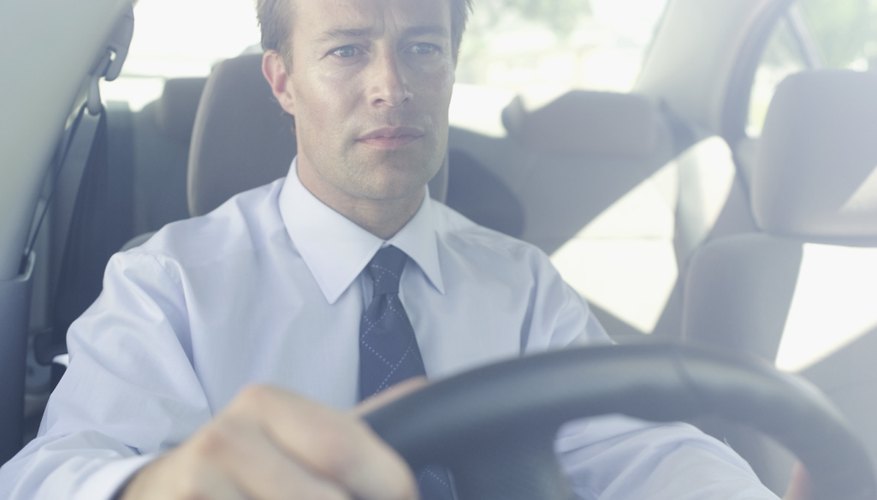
[586, 122]
[241, 138]
[175, 111]
[816, 166]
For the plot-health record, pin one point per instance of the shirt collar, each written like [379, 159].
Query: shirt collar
[336, 250]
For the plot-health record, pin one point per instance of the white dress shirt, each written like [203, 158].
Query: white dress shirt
[268, 289]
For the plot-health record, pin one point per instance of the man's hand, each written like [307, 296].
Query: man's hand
[272, 444]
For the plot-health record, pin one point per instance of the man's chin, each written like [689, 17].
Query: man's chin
[401, 174]
[395, 192]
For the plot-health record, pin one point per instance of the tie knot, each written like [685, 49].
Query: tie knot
[386, 270]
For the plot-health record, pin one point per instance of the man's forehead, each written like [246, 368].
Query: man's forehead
[371, 15]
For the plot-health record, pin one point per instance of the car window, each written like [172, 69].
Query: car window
[785, 54]
[542, 48]
[181, 39]
[814, 33]
[844, 32]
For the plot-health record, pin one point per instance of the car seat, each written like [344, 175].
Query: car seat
[595, 178]
[801, 291]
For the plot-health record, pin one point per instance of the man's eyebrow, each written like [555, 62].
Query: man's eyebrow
[352, 33]
[343, 34]
[435, 29]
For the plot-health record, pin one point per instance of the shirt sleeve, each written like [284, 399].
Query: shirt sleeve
[616, 457]
[129, 392]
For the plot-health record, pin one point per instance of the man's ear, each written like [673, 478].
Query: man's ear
[275, 71]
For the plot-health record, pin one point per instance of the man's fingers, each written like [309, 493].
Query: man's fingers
[260, 468]
[272, 444]
[335, 446]
[393, 393]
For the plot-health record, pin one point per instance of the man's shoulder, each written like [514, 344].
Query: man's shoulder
[472, 239]
[245, 221]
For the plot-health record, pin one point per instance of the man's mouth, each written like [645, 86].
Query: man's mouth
[391, 137]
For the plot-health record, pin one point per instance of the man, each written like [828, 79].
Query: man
[224, 355]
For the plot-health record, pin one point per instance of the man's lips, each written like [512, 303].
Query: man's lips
[390, 137]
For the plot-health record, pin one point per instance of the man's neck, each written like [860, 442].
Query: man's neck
[382, 218]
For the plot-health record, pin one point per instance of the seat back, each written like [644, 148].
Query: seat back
[161, 133]
[619, 192]
[593, 172]
[802, 290]
[242, 138]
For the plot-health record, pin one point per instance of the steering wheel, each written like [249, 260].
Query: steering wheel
[494, 427]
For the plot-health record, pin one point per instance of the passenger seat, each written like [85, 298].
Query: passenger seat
[599, 189]
[618, 193]
[801, 291]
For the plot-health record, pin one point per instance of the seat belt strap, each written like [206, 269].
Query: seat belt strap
[82, 157]
[108, 67]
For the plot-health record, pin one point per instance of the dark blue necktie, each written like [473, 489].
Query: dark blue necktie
[388, 352]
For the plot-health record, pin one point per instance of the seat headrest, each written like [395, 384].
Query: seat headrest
[587, 122]
[242, 138]
[815, 172]
[176, 108]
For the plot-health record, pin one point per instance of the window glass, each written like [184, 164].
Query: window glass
[174, 38]
[557, 44]
[831, 34]
[844, 32]
[542, 48]
[185, 38]
[783, 56]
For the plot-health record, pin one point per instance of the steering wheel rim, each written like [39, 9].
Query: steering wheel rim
[460, 421]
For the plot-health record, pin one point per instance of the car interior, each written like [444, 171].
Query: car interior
[653, 204]
[776, 291]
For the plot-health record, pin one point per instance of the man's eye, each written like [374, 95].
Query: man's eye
[425, 49]
[346, 51]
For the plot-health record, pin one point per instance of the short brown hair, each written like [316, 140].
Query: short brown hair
[274, 17]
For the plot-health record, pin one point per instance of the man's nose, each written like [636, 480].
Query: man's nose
[388, 84]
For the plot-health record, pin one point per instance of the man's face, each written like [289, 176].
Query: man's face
[369, 83]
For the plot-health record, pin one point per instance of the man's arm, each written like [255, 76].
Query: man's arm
[270, 442]
[618, 457]
[132, 401]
